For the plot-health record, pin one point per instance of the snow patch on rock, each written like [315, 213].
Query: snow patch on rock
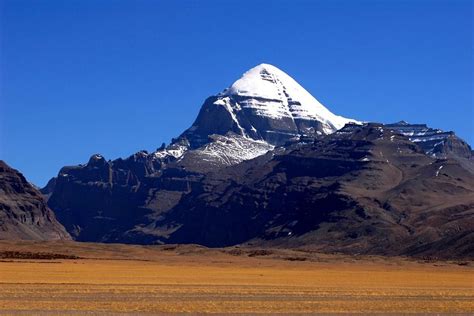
[232, 149]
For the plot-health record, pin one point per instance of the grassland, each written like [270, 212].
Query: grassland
[110, 279]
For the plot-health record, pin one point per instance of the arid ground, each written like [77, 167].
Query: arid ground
[83, 278]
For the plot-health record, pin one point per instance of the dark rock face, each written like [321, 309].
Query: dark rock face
[107, 200]
[214, 118]
[95, 200]
[23, 212]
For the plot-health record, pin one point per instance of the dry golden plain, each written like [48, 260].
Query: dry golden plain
[112, 279]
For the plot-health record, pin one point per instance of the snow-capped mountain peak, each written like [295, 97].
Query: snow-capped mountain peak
[266, 81]
[262, 109]
[264, 104]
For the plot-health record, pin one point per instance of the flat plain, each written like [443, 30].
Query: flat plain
[111, 279]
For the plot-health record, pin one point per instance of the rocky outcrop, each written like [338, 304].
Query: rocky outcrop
[23, 212]
[437, 143]
[434, 141]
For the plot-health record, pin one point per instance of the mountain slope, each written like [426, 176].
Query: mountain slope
[364, 189]
[23, 212]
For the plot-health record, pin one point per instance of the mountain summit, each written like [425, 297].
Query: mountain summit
[289, 98]
[265, 104]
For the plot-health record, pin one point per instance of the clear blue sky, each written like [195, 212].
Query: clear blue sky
[80, 77]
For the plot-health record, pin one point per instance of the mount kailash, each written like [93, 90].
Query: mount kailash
[265, 163]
